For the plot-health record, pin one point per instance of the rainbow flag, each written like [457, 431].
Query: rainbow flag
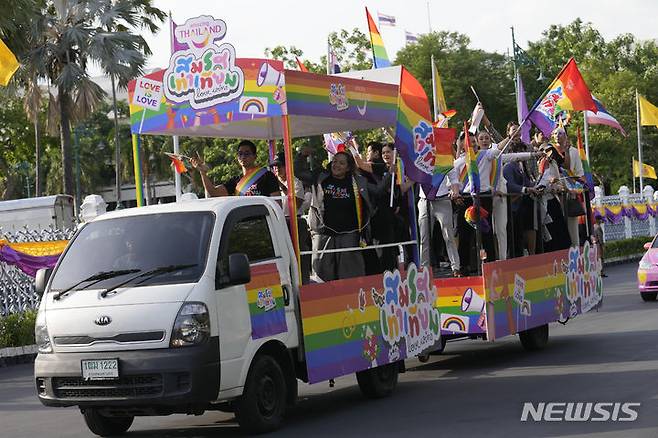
[471, 163]
[177, 163]
[586, 169]
[379, 56]
[415, 137]
[399, 172]
[266, 303]
[568, 91]
[301, 65]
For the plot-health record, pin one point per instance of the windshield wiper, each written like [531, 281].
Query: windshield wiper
[147, 276]
[96, 278]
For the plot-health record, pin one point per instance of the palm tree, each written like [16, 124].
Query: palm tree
[71, 35]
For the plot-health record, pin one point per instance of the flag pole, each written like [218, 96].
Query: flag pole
[633, 172]
[435, 98]
[585, 126]
[639, 141]
[177, 180]
[429, 21]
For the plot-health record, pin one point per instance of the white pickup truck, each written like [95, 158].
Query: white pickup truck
[180, 308]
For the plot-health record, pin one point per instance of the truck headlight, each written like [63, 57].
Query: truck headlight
[41, 336]
[192, 325]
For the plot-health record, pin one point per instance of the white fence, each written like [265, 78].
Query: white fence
[17, 288]
[628, 227]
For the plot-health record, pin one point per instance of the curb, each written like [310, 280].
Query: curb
[623, 259]
[17, 355]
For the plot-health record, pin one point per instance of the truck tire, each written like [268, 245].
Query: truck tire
[378, 382]
[262, 406]
[534, 339]
[649, 296]
[106, 426]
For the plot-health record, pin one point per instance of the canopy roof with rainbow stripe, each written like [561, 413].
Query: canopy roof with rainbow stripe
[248, 98]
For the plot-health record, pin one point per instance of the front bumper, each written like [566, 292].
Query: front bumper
[166, 380]
[647, 281]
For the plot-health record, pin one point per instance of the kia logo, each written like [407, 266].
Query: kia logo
[103, 320]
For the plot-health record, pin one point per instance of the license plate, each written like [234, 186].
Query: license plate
[100, 369]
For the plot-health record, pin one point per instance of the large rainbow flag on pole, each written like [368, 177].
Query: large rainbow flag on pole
[414, 135]
[568, 91]
[379, 56]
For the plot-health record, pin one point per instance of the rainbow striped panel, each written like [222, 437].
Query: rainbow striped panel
[369, 102]
[451, 300]
[265, 300]
[336, 327]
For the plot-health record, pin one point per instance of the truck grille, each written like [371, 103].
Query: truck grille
[145, 385]
[120, 338]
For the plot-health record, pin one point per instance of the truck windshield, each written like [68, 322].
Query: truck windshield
[143, 242]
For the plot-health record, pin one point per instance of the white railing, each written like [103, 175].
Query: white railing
[629, 227]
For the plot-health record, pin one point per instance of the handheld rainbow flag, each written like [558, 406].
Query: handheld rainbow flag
[471, 163]
[414, 135]
[583, 158]
[177, 162]
[568, 91]
[379, 56]
[301, 65]
[399, 172]
[440, 105]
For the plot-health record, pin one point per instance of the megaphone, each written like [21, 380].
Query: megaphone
[472, 302]
[268, 75]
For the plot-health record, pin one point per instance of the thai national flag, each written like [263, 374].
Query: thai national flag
[385, 20]
[602, 117]
[334, 67]
[411, 37]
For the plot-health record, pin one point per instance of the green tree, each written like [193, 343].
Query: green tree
[69, 36]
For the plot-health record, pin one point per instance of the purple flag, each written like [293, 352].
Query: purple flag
[542, 121]
[522, 110]
[25, 262]
[174, 43]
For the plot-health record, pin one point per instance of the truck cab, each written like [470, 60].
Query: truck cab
[145, 314]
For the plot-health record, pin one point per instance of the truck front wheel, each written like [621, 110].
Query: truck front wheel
[378, 382]
[534, 339]
[263, 403]
[106, 426]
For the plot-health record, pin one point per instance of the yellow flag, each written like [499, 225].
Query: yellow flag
[438, 91]
[648, 113]
[647, 171]
[8, 64]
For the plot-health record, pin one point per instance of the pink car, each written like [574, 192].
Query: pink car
[647, 272]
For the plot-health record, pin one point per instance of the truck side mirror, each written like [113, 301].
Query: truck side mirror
[41, 280]
[239, 271]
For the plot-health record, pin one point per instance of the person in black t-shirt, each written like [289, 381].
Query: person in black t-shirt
[339, 218]
[254, 181]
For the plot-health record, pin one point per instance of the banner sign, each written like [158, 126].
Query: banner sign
[359, 323]
[148, 94]
[205, 74]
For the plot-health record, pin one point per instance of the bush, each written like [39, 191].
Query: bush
[17, 329]
[626, 247]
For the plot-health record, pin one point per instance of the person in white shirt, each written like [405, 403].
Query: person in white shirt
[435, 203]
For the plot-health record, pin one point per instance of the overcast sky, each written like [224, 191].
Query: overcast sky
[254, 25]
